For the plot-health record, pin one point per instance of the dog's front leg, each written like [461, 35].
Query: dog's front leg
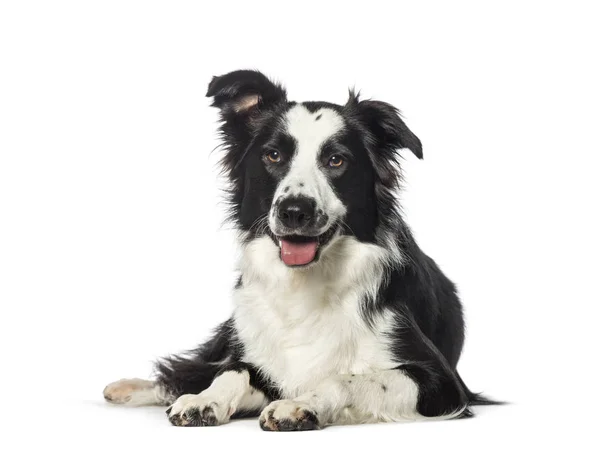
[230, 392]
[346, 399]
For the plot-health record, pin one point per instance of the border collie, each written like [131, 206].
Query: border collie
[339, 316]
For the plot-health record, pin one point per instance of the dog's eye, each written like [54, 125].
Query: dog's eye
[335, 161]
[273, 156]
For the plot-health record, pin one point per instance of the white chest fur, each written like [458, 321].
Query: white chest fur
[300, 326]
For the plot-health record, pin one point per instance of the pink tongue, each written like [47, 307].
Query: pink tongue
[298, 253]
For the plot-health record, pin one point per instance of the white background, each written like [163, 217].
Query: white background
[111, 246]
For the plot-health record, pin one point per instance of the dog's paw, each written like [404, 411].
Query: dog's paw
[122, 391]
[198, 410]
[288, 415]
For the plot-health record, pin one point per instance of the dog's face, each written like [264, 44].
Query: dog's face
[306, 173]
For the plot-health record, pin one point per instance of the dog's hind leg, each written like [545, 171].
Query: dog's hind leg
[176, 375]
[136, 392]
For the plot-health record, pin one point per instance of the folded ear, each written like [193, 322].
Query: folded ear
[388, 128]
[243, 92]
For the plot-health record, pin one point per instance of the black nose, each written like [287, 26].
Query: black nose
[296, 212]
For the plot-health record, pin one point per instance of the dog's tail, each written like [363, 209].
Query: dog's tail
[476, 398]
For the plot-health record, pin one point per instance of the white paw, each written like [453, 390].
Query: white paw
[288, 415]
[199, 410]
[122, 391]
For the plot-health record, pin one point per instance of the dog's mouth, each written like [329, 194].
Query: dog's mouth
[298, 250]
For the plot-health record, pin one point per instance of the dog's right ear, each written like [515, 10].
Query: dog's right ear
[241, 94]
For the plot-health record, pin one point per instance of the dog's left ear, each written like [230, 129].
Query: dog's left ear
[242, 93]
[389, 130]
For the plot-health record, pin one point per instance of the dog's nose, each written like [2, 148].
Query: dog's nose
[296, 212]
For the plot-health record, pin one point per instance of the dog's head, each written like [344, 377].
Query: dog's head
[306, 173]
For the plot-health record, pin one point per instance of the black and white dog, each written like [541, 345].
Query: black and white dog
[339, 316]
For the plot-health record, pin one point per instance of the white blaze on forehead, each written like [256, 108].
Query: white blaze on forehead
[311, 130]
